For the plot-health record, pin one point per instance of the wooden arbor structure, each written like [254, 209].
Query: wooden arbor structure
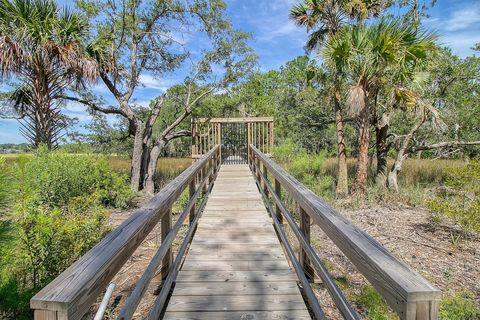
[234, 135]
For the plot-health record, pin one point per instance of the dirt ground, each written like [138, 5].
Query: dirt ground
[405, 231]
[409, 235]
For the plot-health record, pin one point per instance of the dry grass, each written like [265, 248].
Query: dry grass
[416, 172]
[122, 164]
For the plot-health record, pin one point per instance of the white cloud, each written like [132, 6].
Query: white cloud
[463, 18]
[151, 82]
[458, 29]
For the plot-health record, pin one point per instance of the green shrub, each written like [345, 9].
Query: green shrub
[307, 168]
[58, 214]
[373, 304]
[460, 199]
[56, 177]
[461, 306]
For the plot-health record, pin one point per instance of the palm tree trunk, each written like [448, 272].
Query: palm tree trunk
[342, 175]
[363, 143]
[381, 131]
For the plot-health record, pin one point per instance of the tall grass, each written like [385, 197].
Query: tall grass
[167, 168]
[416, 172]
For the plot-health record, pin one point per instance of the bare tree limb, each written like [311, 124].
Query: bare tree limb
[92, 105]
[445, 144]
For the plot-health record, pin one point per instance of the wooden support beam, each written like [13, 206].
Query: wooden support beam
[278, 192]
[303, 258]
[166, 227]
[233, 120]
[191, 192]
[265, 173]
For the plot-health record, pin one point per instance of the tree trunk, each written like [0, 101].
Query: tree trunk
[342, 175]
[381, 131]
[363, 143]
[137, 155]
[149, 182]
[401, 156]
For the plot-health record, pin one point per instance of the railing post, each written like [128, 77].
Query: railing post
[265, 173]
[303, 258]
[257, 169]
[48, 315]
[191, 191]
[202, 176]
[278, 192]
[166, 226]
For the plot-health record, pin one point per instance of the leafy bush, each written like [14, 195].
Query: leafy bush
[373, 304]
[460, 306]
[460, 198]
[57, 177]
[58, 214]
[307, 168]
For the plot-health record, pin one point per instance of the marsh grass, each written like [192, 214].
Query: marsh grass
[167, 168]
[416, 172]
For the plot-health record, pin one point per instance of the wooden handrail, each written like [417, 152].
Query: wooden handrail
[72, 293]
[407, 292]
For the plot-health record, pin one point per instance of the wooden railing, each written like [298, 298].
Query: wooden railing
[72, 293]
[407, 293]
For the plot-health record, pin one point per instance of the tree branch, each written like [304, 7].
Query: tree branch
[445, 144]
[92, 105]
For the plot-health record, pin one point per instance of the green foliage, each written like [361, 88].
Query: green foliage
[460, 199]
[461, 306]
[372, 303]
[58, 214]
[56, 177]
[307, 168]
[53, 238]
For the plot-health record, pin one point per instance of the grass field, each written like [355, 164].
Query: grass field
[416, 172]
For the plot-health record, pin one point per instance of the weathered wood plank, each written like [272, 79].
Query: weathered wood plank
[239, 303]
[237, 120]
[239, 315]
[235, 288]
[222, 276]
[235, 256]
[235, 265]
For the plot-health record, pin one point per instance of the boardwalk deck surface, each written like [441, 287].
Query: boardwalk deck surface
[235, 267]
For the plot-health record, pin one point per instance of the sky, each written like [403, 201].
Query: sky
[277, 40]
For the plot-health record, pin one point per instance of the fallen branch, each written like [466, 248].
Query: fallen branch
[446, 144]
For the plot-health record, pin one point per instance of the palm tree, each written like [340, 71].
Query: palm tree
[323, 19]
[41, 46]
[387, 53]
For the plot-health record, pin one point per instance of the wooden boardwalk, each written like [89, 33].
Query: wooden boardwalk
[235, 267]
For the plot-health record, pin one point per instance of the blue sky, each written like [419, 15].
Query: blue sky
[277, 40]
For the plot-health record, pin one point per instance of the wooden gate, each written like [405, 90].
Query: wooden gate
[233, 135]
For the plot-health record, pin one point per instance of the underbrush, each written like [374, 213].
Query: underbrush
[57, 212]
[307, 168]
[460, 306]
[373, 306]
[459, 199]
[417, 181]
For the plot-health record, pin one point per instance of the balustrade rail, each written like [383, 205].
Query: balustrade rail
[407, 292]
[71, 295]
